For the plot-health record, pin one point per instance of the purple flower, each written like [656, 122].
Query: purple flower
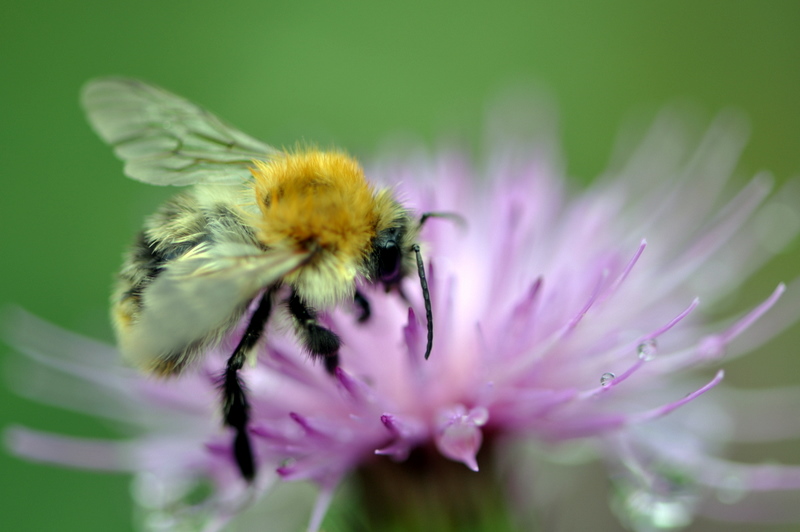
[563, 321]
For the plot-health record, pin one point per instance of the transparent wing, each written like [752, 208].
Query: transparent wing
[199, 294]
[165, 139]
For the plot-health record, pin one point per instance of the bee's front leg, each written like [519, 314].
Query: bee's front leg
[362, 303]
[319, 341]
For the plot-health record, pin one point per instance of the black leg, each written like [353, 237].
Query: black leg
[426, 298]
[235, 407]
[319, 341]
[331, 363]
[363, 304]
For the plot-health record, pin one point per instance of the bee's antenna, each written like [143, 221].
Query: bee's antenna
[426, 297]
[452, 216]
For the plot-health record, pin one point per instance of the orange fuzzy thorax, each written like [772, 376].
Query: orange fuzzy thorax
[315, 200]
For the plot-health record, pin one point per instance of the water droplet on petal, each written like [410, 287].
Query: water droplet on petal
[647, 350]
[461, 443]
[479, 415]
[606, 378]
[460, 437]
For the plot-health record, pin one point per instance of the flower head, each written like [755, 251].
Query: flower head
[559, 317]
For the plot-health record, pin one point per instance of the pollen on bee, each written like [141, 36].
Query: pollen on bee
[310, 198]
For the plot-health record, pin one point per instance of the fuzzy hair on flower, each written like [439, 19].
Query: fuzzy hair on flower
[563, 320]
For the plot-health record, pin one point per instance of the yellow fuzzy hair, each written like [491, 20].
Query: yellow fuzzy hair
[315, 200]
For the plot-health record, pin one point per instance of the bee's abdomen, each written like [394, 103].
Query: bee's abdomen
[176, 228]
[146, 261]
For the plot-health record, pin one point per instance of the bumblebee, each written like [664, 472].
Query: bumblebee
[260, 228]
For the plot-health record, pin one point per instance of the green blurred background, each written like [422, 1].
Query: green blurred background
[351, 74]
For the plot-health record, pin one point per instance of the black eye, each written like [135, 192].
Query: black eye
[389, 263]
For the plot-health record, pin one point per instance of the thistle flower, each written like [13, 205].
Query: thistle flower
[561, 319]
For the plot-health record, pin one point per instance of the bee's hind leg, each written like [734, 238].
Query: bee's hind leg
[319, 341]
[362, 303]
[235, 407]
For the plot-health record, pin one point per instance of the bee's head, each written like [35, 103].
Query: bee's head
[390, 256]
[387, 256]
[394, 254]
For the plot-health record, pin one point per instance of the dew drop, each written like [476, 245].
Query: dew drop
[606, 378]
[647, 350]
